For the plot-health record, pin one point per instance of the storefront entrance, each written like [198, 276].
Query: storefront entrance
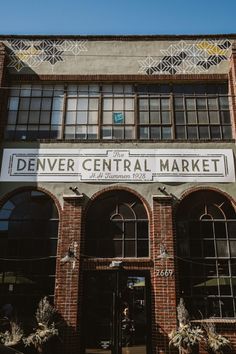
[115, 312]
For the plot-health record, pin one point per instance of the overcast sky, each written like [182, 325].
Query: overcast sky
[117, 16]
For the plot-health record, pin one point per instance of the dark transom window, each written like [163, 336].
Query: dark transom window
[28, 247]
[117, 226]
[206, 227]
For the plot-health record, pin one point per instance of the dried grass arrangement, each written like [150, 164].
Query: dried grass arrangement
[45, 328]
[215, 342]
[13, 336]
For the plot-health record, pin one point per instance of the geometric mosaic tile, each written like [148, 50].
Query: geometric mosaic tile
[187, 58]
[24, 52]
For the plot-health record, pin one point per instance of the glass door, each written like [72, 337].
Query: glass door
[115, 313]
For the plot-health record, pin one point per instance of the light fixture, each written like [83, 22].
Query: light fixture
[69, 257]
[115, 264]
[75, 190]
[163, 252]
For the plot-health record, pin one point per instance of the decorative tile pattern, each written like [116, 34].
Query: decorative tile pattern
[24, 53]
[188, 58]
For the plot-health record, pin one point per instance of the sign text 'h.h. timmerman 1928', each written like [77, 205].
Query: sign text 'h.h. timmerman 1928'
[120, 165]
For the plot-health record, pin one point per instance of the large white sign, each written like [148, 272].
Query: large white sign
[120, 165]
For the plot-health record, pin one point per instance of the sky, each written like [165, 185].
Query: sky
[88, 17]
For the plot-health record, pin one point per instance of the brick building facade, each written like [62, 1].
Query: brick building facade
[117, 189]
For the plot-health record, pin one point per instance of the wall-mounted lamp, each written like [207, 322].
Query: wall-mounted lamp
[116, 264]
[71, 254]
[75, 190]
[163, 252]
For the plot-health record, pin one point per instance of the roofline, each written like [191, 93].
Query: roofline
[136, 37]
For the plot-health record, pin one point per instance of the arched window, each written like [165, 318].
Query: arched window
[28, 246]
[206, 231]
[117, 226]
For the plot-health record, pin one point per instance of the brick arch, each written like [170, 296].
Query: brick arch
[118, 188]
[192, 190]
[10, 194]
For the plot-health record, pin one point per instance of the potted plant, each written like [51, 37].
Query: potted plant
[186, 337]
[45, 328]
[12, 337]
[215, 342]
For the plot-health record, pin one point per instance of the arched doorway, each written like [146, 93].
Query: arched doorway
[116, 297]
[28, 247]
[206, 232]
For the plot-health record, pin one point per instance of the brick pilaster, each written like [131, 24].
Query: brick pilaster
[68, 273]
[232, 88]
[3, 91]
[163, 283]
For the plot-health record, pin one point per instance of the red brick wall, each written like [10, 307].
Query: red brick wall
[3, 91]
[68, 274]
[163, 288]
[232, 88]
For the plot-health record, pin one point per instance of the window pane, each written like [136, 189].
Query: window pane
[227, 134]
[202, 117]
[155, 132]
[93, 117]
[118, 105]
[35, 103]
[143, 104]
[231, 229]
[107, 132]
[24, 104]
[129, 117]
[165, 103]
[224, 104]
[190, 104]
[214, 117]
[212, 103]
[70, 117]
[107, 117]
[69, 132]
[46, 104]
[225, 117]
[45, 117]
[81, 117]
[144, 133]
[129, 249]
[179, 118]
[118, 132]
[165, 117]
[201, 103]
[215, 132]
[180, 132]
[179, 103]
[57, 103]
[56, 117]
[107, 104]
[166, 133]
[81, 132]
[71, 104]
[191, 117]
[155, 104]
[13, 103]
[93, 104]
[23, 117]
[129, 133]
[144, 117]
[222, 248]
[12, 115]
[82, 104]
[203, 132]
[129, 104]
[232, 245]
[92, 132]
[192, 132]
[33, 117]
[154, 117]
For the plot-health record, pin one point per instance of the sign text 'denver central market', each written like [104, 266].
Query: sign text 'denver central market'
[121, 165]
